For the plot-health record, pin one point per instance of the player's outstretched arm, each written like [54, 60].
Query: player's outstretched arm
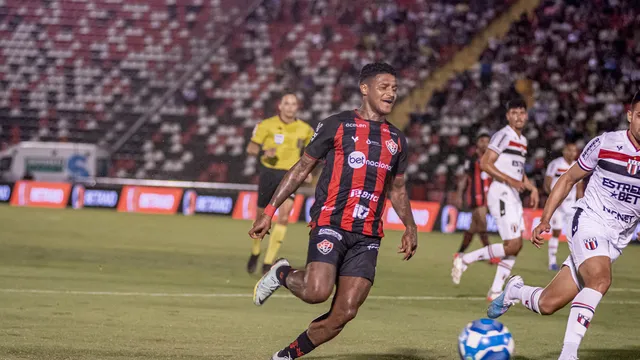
[557, 196]
[289, 184]
[400, 202]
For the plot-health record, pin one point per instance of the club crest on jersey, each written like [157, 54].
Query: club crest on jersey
[591, 243]
[391, 146]
[325, 246]
[632, 166]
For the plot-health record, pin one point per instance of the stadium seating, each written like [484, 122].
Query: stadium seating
[575, 63]
[85, 71]
[313, 48]
[82, 70]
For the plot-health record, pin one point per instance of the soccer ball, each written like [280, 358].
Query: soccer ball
[485, 339]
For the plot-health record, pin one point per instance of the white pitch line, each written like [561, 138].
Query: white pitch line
[223, 295]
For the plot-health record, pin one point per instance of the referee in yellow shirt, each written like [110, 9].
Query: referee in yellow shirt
[281, 139]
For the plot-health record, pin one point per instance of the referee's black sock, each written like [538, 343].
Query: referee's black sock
[300, 347]
[282, 274]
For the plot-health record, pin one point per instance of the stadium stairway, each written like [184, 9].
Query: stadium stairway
[461, 61]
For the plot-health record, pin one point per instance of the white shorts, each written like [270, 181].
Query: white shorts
[589, 238]
[506, 208]
[561, 218]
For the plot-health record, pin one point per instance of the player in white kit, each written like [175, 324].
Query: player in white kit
[504, 162]
[562, 216]
[602, 227]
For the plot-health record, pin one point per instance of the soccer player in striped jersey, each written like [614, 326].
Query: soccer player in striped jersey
[504, 161]
[472, 190]
[602, 226]
[366, 158]
[562, 216]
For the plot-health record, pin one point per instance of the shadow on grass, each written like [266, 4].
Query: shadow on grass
[630, 353]
[65, 353]
[398, 354]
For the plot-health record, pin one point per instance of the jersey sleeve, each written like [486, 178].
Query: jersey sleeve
[309, 135]
[322, 139]
[403, 158]
[589, 157]
[551, 169]
[259, 133]
[499, 142]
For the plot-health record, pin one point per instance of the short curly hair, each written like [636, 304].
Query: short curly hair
[373, 69]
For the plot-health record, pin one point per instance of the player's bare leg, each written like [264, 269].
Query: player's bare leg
[255, 248]
[553, 249]
[351, 293]
[507, 252]
[278, 233]
[595, 273]
[558, 293]
[314, 284]
[479, 226]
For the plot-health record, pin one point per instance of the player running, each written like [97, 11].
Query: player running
[562, 216]
[366, 158]
[281, 139]
[472, 189]
[603, 223]
[504, 162]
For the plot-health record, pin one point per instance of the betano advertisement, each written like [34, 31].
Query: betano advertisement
[246, 207]
[40, 194]
[242, 205]
[150, 200]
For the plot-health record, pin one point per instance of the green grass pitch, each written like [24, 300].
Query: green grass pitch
[96, 284]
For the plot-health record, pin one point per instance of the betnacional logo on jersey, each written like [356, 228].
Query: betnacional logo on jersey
[357, 160]
[325, 246]
[632, 166]
[591, 243]
[391, 146]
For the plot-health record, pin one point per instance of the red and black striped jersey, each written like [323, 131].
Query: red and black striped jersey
[362, 159]
[478, 183]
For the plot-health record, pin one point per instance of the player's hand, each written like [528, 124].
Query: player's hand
[309, 179]
[518, 185]
[535, 199]
[536, 236]
[270, 152]
[260, 227]
[409, 243]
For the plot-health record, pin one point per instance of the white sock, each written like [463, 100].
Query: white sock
[502, 273]
[553, 250]
[486, 253]
[582, 309]
[529, 296]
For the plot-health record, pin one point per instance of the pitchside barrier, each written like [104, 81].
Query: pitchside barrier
[235, 200]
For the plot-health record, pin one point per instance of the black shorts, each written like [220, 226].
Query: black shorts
[352, 254]
[267, 185]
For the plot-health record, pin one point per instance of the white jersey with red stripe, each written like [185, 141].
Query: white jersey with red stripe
[612, 197]
[512, 152]
[555, 169]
